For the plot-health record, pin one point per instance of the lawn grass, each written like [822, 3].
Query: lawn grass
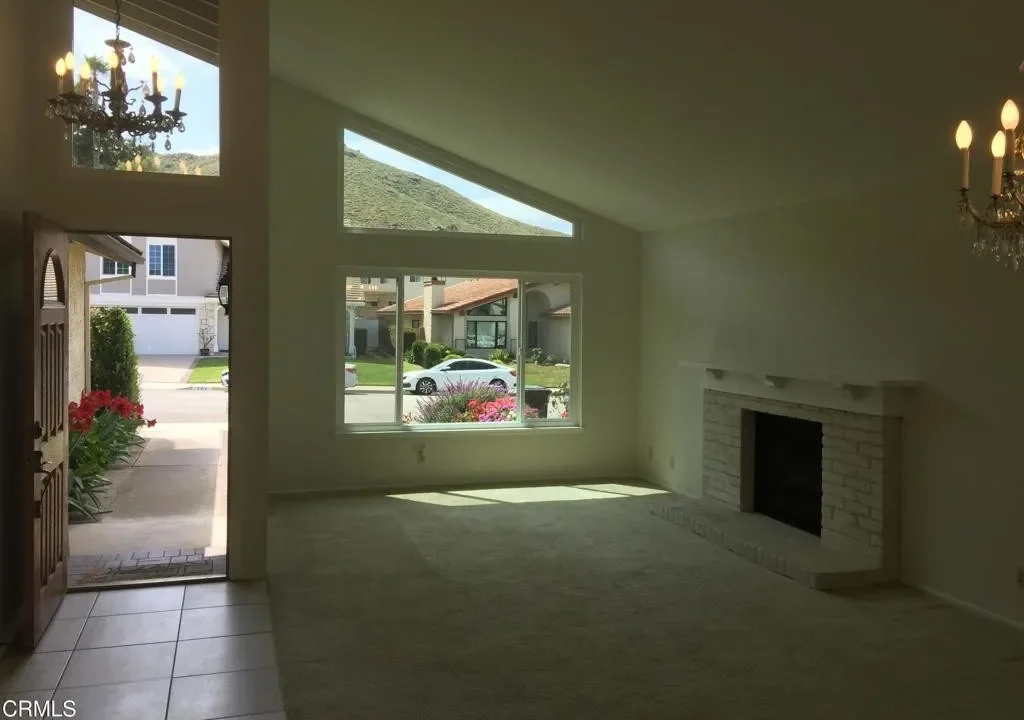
[379, 371]
[207, 370]
[548, 376]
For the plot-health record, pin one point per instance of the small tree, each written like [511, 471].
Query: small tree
[115, 366]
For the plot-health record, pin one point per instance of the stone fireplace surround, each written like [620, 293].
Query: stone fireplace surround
[861, 465]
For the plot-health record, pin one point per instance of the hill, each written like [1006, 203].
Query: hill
[171, 163]
[378, 193]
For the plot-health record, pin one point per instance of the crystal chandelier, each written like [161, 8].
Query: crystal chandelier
[1000, 226]
[112, 107]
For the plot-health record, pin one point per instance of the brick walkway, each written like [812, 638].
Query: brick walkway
[143, 565]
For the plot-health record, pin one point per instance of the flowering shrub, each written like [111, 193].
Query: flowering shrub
[104, 428]
[467, 402]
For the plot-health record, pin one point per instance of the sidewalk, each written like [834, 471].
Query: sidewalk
[174, 496]
[180, 386]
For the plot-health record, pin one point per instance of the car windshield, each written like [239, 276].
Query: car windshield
[441, 365]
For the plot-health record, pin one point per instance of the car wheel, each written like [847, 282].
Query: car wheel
[499, 385]
[426, 386]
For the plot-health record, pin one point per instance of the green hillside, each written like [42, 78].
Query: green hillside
[378, 195]
[171, 163]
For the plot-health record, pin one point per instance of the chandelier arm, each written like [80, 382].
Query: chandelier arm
[967, 207]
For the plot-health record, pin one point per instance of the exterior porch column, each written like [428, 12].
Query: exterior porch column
[351, 351]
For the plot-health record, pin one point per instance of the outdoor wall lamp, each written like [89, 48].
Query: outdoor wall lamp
[223, 288]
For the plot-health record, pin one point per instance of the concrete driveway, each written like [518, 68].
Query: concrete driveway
[165, 368]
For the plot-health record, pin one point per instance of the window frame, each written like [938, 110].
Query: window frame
[160, 180]
[463, 169]
[497, 325]
[117, 264]
[105, 288]
[162, 242]
[503, 314]
[573, 422]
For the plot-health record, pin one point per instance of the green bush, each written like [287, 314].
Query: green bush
[502, 356]
[414, 352]
[535, 355]
[103, 431]
[433, 353]
[408, 338]
[456, 353]
[115, 367]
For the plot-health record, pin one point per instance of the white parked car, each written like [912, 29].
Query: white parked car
[351, 376]
[455, 370]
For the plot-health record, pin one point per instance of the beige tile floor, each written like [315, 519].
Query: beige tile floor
[184, 652]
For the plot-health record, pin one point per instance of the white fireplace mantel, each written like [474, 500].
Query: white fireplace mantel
[888, 398]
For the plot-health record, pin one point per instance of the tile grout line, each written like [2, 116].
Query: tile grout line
[74, 647]
[174, 658]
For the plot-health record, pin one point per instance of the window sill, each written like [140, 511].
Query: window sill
[391, 431]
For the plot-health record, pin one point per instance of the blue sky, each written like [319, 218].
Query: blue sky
[480, 195]
[200, 98]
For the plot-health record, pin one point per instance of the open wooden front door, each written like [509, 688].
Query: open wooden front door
[45, 414]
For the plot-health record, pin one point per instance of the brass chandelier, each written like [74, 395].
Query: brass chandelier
[112, 107]
[1000, 226]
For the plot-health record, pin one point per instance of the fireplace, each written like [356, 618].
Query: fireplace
[787, 470]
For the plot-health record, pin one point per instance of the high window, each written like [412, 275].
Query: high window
[112, 267]
[188, 51]
[385, 189]
[462, 352]
[161, 261]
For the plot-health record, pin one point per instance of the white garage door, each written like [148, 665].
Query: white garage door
[165, 331]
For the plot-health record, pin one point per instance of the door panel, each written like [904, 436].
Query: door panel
[44, 410]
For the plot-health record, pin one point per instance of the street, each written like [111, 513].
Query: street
[175, 405]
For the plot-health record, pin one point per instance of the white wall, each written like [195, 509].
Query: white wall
[78, 323]
[878, 286]
[180, 206]
[305, 452]
[12, 88]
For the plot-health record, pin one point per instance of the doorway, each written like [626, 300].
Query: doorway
[158, 511]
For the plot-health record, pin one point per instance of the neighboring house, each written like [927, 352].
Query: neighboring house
[172, 300]
[379, 292]
[482, 315]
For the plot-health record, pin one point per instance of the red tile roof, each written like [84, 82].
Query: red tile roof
[461, 296]
[563, 311]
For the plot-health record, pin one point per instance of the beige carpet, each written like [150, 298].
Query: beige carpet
[387, 609]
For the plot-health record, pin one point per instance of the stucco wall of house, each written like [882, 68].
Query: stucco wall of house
[78, 328]
[556, 337]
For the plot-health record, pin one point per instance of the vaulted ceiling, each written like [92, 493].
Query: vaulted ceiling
[657, 113]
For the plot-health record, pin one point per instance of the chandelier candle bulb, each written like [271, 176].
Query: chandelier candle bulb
[85, 77]
[998, 151]
[179, 83]
[154, 67]
[69, 66]
[1010, 117]
[61, 72]
[963, 141]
